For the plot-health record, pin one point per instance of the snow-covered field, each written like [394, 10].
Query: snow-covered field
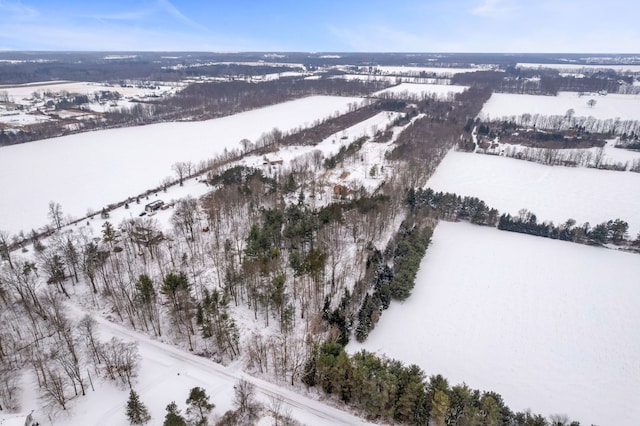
[422, 90]
[552, 193]
[440, 71]
[248, 64]
[33, 99]
[21, 118]
[395, 79]
[89, 170]
[277, 75]
[20, 93]
[581, 67]
[358, 172]
[611, 106]
[610, 154]
[550, 325]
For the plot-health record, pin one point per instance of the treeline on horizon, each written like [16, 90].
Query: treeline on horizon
[166, 66]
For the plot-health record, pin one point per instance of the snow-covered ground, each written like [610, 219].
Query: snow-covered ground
[31, 103]
[249, 64]
[550, 325]
[22, 92]
[581, 67]
[611, 106]
[394, 78]
[422, 90]
[15, 118]
[167, 374]
[87, 171]
[277, 75]
[440, 71]
[610, 154]
[358, 172]
[552, 193]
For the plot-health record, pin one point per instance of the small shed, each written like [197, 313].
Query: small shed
[153, 206]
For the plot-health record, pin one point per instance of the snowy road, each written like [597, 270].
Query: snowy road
[167, 373]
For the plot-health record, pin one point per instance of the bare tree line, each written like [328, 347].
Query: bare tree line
[609, 126]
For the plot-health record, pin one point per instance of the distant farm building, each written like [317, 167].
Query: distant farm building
[152, 207]
[267, 162]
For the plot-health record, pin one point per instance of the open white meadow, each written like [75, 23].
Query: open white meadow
[439, 71]
[552, 193]
[90, 170]
[609, 154]
[422, 90]
[32, 99]
[550, 325]
[357, 172]
[611, 106]
[22, 93]
[394, 79]
[582, 67]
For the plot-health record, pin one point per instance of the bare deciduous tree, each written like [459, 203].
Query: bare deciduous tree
[186, 220]
[281, 413]
[181, 169]
[54, 386]
[245, 400]
[9, 386]
[87, 327]
[55, 214]
[5, 253]
[247, 145]
[121, 360]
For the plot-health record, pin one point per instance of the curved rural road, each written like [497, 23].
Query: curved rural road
[302, 408]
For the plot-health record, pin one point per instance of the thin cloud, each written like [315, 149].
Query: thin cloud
[108, 38]
[121, 16]
[495, 8]
[378, 38]
[169, 7]
[18, 10]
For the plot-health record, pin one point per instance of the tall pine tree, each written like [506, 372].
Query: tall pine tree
[137, 412]
[199, 406]
[173, 417]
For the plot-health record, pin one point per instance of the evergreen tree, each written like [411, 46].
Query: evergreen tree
[109, 233]
[439, 407]
[618, 230]
[490, 410]
[599, 233]
[145, 291]
[215, 321]
[137, 412]
[173, 417]
[199, 406]
[411, 198]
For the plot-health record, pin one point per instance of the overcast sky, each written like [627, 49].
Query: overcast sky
[549, 26]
